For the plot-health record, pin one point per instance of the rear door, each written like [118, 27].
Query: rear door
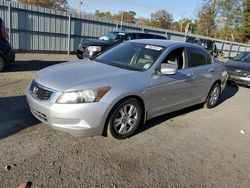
[201, 63]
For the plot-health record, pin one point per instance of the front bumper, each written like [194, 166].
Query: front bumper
[10, 56]
[77, 119]
[239, 80]
[81, 53]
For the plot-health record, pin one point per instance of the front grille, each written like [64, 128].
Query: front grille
[39, 91]
[237, 72]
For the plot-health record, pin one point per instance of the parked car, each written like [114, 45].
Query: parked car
[7, 54]
[125, 86]
[238, 69]
[209, 45]
[91, 47]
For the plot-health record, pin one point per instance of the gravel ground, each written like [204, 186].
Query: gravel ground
[195, 147]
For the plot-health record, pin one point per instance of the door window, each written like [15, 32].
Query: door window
[196, 57]
[175, 58]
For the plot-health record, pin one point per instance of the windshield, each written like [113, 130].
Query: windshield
[242, 57]
[132, 56]
[111, 36]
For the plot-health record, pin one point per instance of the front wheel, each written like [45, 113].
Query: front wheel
[2, 64]
[125, 118]
[213, 96]
[79, 54]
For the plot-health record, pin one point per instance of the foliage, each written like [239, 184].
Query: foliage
[206, 18]
[162, 19]
[60, 4]
[245, 28]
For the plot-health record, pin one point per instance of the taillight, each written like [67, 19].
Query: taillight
[4, 33]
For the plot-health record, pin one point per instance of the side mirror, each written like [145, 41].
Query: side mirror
[168, 69]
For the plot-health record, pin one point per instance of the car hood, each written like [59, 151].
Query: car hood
[96, 42]
[238, 65]
[71, 75]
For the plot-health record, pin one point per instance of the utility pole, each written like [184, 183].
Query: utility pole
[80, 5]
[121, 21]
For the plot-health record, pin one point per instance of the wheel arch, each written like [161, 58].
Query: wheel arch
[138, 98]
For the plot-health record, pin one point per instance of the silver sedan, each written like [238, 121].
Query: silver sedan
[124, 87]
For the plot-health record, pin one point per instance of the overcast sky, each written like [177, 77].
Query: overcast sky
[143, 8]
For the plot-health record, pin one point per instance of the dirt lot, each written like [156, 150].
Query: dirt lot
[195, 147]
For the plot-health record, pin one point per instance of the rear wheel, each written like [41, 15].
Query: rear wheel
[125, 118]
[2, 64]
[213, 96]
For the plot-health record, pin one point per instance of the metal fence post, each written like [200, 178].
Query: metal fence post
[222, 46]
[9, 20]
[230, 50]
[238, 49]
[69, 33]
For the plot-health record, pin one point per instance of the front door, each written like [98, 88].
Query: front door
[172, 92]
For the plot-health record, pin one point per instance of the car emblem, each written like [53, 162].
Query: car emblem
[35, 89]
[238, 71]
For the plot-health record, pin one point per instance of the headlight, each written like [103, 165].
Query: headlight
[83, 96]
[94, 48]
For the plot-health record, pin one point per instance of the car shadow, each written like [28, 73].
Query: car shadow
[29, 65]
[227, 93]
[15, 115]
[160, 119]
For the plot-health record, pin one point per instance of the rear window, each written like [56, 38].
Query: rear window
[145, 36]
[196, 57]
[159, 37]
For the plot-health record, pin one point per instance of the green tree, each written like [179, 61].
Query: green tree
[206, 18]
[126, 16]
[184, 23]
[162, 19]
[230, 17]
[144, 21]
[245, 28]
[61, 4]
[103, 14]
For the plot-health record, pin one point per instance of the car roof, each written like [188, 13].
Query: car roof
[165, 43]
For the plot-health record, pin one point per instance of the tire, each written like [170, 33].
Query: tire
[2, 64]
[213, 96]
[124, 119]
[79, 55]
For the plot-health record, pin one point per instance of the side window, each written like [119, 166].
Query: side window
[196, 57]
[145, 36]
[159, 37]
[130, 36]
[175, 58]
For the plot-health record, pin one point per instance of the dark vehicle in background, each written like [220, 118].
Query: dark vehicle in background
[209, 45]
[7, 54]
[91, 47]
[238, 69]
